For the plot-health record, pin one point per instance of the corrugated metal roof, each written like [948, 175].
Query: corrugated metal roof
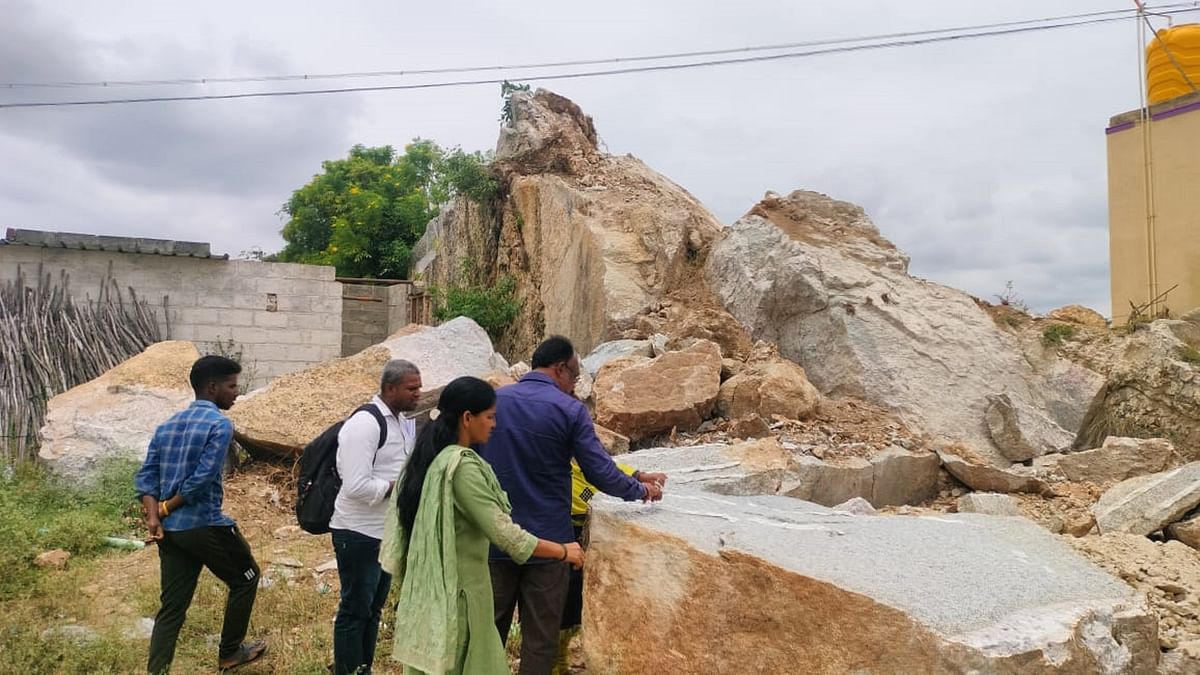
[97, 242]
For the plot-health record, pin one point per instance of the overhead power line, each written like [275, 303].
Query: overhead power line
[1114, 13]
[839, 46]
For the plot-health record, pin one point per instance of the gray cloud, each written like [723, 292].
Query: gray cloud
[984, 160]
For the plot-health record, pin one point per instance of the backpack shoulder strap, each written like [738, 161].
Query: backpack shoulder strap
[374, 410]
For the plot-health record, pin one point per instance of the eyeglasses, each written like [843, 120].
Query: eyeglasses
[573, 372]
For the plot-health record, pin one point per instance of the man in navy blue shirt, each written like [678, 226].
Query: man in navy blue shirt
[540, 428]
[181, 492]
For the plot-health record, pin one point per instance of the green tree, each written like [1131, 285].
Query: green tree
[362, 214]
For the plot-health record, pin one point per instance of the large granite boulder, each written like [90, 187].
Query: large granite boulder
[593, 240]
[815, 276]
[774, 387]
[726, 584]
[281, 418]
[114, 415]
[640, 397]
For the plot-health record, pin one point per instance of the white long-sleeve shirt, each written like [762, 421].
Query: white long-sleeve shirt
[361, 504]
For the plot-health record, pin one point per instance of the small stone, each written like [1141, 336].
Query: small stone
[56, 559]
[141, 629]
[80, 635]
[857, 506]
[287, 561]
[327, 566]
[287, 532]
[1079, 526]
[988, 503]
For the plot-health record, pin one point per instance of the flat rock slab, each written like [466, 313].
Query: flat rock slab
[1149, 503]
[986, 478]
[726, 584]
[750, 468]
[1118, 459]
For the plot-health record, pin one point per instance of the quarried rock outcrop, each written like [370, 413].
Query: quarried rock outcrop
[815, 276]
[115, 415]
[593, 240]
[1153, 388]
[729, 584]
[640, 397]
[284, 416]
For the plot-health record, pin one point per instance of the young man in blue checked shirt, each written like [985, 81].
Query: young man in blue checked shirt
[180, 488]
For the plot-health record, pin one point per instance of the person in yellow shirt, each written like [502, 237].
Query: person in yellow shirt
[581, 494]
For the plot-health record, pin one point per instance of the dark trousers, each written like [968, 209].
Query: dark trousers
[540, 591]
[364, 591]
[181, 555]
[573, 611]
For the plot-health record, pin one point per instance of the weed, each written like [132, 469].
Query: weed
[1190, 354]
[1055, 333]
[1009, 298]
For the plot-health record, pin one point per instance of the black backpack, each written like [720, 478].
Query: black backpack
[318, 484]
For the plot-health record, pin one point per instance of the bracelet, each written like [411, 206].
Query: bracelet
[163, 511]
[565, 553]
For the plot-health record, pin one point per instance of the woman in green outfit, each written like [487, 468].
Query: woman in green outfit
[448, 507]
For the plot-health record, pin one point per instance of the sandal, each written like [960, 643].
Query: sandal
[248, 652]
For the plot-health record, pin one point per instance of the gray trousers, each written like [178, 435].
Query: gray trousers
[540, 591]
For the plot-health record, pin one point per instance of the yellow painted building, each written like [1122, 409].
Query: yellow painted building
[1154, 207]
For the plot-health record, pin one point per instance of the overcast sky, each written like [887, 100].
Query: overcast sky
[983, 159]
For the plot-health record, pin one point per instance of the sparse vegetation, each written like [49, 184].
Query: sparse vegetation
[492, 306]
[1009, 298]
[232, 349]
[39, 512]
[1190, 354]
[1056, 333]
[506, 91]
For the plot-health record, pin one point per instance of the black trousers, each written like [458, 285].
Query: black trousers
[540, 590]
[181, 556]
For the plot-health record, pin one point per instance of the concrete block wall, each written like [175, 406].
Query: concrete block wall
[364, 316]
[282, 316]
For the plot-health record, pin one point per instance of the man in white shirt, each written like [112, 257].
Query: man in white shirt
[369, 469]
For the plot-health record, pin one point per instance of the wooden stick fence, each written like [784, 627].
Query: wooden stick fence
[50, 343]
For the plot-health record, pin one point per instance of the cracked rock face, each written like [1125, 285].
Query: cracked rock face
[815, 276]
[727, 584]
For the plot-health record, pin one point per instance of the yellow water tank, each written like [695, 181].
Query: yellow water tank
[1174, 50]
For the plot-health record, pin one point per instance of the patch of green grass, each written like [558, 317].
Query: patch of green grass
[1055, 333]
[39, 512]
[1190, 354]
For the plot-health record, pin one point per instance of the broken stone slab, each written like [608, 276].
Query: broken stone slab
[903, 477]
[750, 468]
[115, 415]
[1147, 504]
[640, 397]
[751, 426]
[1004, 427]
[983, 477]
[1119, 458]
[829, 483]
[281, 418]
[762, 584]
[614, 349]
[988, 504]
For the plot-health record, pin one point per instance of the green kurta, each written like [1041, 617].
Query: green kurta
[445, 620]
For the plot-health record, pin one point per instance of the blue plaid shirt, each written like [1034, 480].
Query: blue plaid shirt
[185, 457]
